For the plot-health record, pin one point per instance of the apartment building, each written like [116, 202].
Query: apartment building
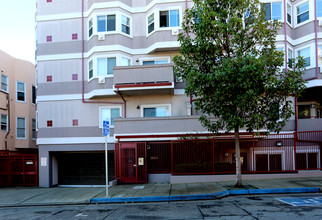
[17, 104]
[112, 60]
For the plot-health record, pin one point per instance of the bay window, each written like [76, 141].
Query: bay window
[109, 114]
[305, 53]
[303, 13]
[4, 83]
[151, 23]
[105, 23]
[105, 66]
[273, 11]
[125, 24]
[169, 18]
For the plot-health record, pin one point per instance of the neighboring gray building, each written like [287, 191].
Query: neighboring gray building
[104, 60]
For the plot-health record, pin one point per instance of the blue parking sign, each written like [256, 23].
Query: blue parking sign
[106, 128]
[106, 124]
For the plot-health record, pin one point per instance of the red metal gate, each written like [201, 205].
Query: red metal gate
[131, 159]
[18, 169]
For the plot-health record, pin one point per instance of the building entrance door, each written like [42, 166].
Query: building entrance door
[132, 162]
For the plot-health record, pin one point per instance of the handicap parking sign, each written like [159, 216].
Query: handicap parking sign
[106, 128]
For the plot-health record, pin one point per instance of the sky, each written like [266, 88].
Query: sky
[17, 28]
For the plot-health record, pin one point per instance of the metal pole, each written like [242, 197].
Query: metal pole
[106, 166]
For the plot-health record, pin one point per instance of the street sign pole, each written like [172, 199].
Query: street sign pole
[106, 166]
[106, 132]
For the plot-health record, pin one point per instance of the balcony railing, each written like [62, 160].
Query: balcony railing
[144, 79]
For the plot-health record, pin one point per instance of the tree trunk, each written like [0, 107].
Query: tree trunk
[238, 162]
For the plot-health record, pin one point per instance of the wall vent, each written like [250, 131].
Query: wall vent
[101, 79]
[101, 37]
[175, 31]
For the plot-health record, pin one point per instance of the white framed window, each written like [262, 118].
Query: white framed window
[290, 56]
[319, 8]
[21, 91]
[90, 27]
[90, 69]
[302, 12]
[320, 54]
[4, 83]
[158, 110]
[150, 23]
[306, 54]
[125, 61]
[109, 113]
[33, 94]
[33, 128]
[4, 122]
[21, 128]
[289, 13]
[273, 10]
[169, 18]
[126, 25]
[106, 23]
[155, 60]
[105, 66]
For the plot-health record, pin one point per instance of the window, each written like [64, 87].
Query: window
[105, 23]
[290, 57]
[105, 66]
[90, 27]
[4, 122]
[33, 94]
[152, 62]
[304, 111]
[169, 18]
[126, 62]
[319, 8]
[156, 111]
[305, 53]
[21, 92]
[109, 114]
[303, 12]
[4, 83]
[273, 11]
[21, 128]
[33, 128]
[289, 13]
[320, 55]
[306, 161]
[90, 69]
[125, 24]
[151, 23]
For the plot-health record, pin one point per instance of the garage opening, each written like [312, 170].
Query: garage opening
[84, 168]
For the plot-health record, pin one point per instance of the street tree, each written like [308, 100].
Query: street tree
[232, 68]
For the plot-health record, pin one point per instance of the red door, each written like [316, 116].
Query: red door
[132, 162]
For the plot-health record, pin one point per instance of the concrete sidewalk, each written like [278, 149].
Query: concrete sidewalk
[26, 196]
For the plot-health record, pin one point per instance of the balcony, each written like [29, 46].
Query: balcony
[140, 80]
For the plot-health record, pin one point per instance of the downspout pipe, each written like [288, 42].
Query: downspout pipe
[316, 39]
[286, 60]
[83, 73]
[8, 122]
[285, 38]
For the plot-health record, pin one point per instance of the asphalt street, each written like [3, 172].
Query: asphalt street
[233, 207]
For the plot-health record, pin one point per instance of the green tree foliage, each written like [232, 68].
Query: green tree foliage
[230, 63]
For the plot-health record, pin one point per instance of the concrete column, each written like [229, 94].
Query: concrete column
[44, 168]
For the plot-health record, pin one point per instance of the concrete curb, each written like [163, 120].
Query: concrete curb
[204, 196]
